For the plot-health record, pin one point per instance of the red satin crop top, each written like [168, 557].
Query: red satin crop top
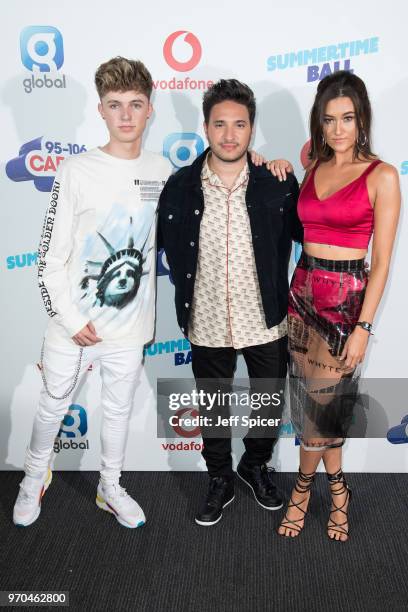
[345, 218]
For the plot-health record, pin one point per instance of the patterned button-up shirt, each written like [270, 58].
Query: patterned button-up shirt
[227, 305]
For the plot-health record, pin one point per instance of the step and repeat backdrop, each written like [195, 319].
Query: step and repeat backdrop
[48, 106]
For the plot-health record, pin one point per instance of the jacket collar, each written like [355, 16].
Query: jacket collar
[196, 167]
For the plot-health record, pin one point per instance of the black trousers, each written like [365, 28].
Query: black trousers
[213, 369]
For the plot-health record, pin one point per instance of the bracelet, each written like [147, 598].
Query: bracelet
[367, 326]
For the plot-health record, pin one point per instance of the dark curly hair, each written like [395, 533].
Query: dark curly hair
[229, 89]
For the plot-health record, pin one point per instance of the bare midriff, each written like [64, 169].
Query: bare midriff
[330, 251]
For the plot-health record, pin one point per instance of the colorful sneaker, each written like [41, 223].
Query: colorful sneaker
[28, 503]
[114, 499]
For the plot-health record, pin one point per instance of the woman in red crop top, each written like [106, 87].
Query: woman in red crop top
[347, 195]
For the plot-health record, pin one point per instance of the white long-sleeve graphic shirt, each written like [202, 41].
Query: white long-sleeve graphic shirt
[97, 256]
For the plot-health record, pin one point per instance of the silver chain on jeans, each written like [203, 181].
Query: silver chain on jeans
[74, 382]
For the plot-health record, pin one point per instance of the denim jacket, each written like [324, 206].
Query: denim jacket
[272, 211]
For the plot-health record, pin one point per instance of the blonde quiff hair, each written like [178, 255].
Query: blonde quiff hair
[121, 74]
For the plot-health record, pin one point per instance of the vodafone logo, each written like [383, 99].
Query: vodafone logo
[194, 44]
[185, 429]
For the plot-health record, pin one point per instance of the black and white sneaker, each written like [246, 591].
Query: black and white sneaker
[220, 494]
[259, 478]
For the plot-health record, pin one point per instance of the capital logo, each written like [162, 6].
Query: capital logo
[41, 48]
[399, 433]
[182, 430]
[182, 148]
[38, 161]
[192, 41]
[75, 423]
[34, 164]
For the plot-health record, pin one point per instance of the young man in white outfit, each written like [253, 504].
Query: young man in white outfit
[96, 272]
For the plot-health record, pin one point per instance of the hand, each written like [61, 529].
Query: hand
[256, 158]
[355, 348]
[87, 336]
[279, 168]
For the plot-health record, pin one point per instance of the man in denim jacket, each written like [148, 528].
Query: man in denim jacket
[227, 227]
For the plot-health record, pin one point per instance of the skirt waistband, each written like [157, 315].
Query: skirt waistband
[331, 265]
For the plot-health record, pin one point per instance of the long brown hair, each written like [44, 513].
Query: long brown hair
[341, 84]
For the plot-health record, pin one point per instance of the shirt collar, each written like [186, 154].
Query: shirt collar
[213, 179]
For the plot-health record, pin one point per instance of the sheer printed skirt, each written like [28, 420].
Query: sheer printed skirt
[325, 301]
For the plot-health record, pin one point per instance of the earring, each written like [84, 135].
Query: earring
[323, 140]
[362, 138]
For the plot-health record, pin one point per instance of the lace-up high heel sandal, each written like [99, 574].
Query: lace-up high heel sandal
[303, 485]
[338, 486]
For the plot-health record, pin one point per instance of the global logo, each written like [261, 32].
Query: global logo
[74, 426]
[399, 433]
[41, 48]
[163, 266]
[75, 423]
[192, 41]
[38, 161]
[182, 148]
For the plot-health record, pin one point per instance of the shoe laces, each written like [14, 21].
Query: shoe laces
[115, 490]
[265, 476]
[217, 486]
[29, 492]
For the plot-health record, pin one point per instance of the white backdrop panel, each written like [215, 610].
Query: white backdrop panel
[218, 39]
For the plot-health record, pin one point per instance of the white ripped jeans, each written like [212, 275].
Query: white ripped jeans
[120, 372]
